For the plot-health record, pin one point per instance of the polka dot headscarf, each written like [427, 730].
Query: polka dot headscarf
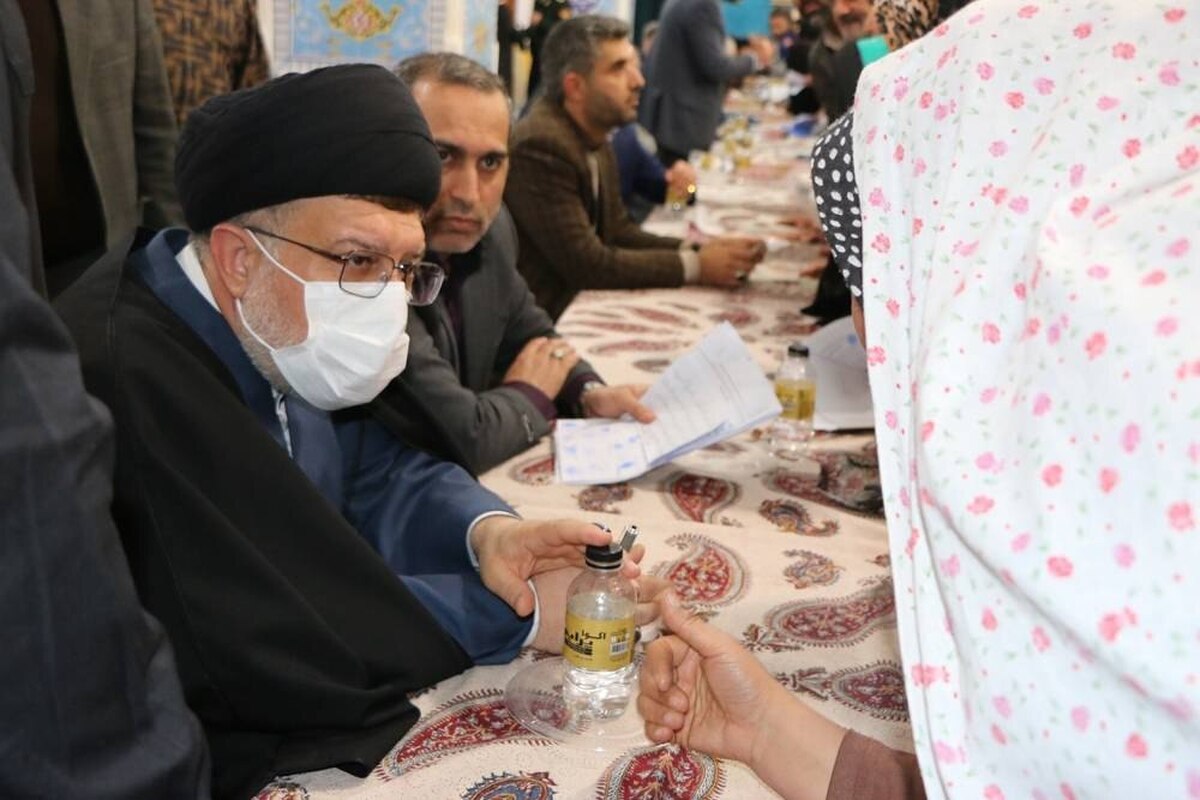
[837, 199]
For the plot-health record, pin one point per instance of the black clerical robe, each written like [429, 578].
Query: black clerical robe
[295, 640]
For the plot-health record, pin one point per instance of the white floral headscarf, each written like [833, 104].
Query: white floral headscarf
[1029, 176]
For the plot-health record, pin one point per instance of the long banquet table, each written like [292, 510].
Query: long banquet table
[790, 557]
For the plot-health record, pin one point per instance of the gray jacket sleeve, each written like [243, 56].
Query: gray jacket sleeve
[87, 677]
[89, 695]
[706, 48]
[476, 429]
[481, 425]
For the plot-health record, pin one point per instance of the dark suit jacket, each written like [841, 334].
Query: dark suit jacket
[20, 236]
[686, 76]
[570, 240]
[448, 400]
[123, 105]
[836, 66]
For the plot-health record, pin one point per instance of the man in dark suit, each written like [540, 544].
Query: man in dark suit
[487, 373]
[564, 190]
[687, 74]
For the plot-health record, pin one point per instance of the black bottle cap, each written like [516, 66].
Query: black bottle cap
[607, 556]
[798, 350]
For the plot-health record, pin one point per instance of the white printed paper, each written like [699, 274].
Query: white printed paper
[712, 392]
[837, 364]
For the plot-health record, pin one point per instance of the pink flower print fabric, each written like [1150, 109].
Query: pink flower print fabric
[1034, 347]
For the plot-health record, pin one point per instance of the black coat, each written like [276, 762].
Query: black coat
[296, 644]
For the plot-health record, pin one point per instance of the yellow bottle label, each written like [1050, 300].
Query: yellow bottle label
[798, 398]
[598, 644]
[806, 400]
[789, 397]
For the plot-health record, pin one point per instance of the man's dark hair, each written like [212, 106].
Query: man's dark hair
[451, 69]
[573, 46]
[781, 12]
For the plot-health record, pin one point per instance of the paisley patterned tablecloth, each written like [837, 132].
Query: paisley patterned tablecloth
[789, 557]
[814, 605]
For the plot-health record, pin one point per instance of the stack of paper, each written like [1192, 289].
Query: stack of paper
[712, 392]
[837, 364]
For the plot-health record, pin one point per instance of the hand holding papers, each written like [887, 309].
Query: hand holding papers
[712, 392]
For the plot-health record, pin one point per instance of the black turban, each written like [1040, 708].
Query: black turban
[352, 129]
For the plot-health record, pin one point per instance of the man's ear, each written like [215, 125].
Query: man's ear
[573, 86]
[232, 249]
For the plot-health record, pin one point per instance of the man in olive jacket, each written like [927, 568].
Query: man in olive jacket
[564, 190]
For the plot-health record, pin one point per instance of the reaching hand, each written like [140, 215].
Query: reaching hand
[611, 402]
[727, 260]
[701, 689]
[814, 267]
[808, 228]
[511, 551]
[544, 364]
[681, 177]
[764, 49]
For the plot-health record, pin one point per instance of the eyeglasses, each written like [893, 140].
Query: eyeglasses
[365, 272]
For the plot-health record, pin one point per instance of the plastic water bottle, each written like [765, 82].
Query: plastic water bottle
[599, 638]
[791, 431]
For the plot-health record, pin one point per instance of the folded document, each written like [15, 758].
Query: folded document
[714, 391]
[837, 363]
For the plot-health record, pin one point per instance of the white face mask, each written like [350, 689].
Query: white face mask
[355, 345]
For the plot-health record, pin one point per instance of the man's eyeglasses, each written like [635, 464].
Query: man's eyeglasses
[365, 272]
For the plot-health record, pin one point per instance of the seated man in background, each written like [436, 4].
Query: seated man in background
[563, 190]
[487, 373]
[255, 519]
[813, 18]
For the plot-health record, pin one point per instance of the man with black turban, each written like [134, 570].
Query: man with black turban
[265, 517]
